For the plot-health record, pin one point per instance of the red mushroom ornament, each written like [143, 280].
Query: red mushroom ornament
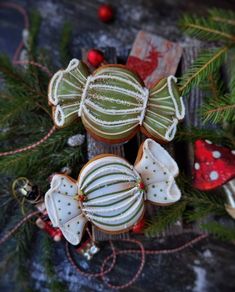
[215, 167]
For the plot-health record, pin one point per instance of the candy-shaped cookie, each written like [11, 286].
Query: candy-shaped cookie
[114, 104]
[111, 193]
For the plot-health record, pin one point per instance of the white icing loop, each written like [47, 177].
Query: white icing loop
[158, 169]
[84, 94]
[145, 103]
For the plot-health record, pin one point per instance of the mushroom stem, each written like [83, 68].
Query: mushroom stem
[230, 195]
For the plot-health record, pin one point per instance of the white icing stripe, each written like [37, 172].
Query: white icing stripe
[179, 115]
[118, 101]
[118, 89]
[145, 103]
[102, 122]
[70, 105]
[113, 207]
[151, 129]
[107, 198]
[112, 111]
[119, 72]
[129, 212]
[77, 77]
[157, 122]
[153, 97]
[70, 83]
[108, 133]
[102, 171]
[161, 106]
[109, 77]
[158, 115]
[158, 90]
[75, 94]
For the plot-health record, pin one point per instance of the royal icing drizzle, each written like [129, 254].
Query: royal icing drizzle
[112, 197]
[112, 102]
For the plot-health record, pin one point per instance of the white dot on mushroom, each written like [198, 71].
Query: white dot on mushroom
[208, 141]
[196, 165]
[216, 154]
[214, 175]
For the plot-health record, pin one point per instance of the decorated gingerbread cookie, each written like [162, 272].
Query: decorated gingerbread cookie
[114, 104]
[111, 193]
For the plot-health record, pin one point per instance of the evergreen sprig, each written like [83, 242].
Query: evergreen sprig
[206, 28]
[205, 65]
[222, 16]
[219, 110]
[221, 231]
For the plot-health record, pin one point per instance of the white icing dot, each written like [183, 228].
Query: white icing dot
[208, 141]
[196, 165]
[214, 175]
[233, 152]
[216, 154]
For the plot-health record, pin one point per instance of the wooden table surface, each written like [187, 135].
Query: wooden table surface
[208, 266]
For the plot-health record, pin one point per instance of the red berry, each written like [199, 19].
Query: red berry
[141, 185]
[105, 12]
[95, 57]
[139, 226]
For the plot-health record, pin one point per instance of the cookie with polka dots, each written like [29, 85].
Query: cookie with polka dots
[111, 193]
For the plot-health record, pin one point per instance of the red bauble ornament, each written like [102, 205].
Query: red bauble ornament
[95, 57]
[139, 226]
[141, 185]
[105, 12]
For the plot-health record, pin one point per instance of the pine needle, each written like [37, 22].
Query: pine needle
[223, 16]
[206, 63]
[219, 110]
[207, 29]
[221, 231]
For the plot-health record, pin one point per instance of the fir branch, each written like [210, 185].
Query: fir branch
[206, 64]
[24, 242]
[220, 231]
[223, 16]
[207, 29]
[164, 218]
[219, 110]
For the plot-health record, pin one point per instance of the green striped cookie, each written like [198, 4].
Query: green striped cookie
[113, 103]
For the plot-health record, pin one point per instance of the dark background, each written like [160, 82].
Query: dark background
[208, 266]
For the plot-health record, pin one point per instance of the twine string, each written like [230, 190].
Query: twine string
[17, 226]
[115, 252]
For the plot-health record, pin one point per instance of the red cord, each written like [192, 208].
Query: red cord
[17, 226]
[116, 252]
